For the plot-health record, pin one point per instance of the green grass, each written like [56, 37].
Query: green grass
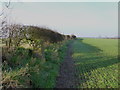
[96, 63]
[49, 73]
[26, 71]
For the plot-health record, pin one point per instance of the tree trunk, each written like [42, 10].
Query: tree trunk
[10, 41]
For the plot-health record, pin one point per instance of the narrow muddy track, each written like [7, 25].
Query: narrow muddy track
[66, 77]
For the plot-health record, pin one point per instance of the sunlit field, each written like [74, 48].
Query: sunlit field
[96, 62]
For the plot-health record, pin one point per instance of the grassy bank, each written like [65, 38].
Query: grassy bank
[96, 63]
[24, 70]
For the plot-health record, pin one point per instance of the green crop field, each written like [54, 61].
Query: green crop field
[96, 62]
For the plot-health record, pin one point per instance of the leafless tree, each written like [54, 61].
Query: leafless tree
[3, 18]
[5, 5]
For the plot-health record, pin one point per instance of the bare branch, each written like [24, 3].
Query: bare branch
[2, 12]
[8, 4]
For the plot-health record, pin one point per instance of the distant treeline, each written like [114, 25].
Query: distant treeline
[109, 37]
[102, 37]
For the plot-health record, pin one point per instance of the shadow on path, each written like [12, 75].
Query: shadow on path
[66, 77]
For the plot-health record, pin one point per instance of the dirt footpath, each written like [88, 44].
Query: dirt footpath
[66, 77]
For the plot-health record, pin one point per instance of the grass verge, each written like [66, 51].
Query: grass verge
[23, 70]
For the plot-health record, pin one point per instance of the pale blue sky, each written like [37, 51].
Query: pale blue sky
[79, 18]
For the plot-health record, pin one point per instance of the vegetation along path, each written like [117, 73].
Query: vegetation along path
[66, 78]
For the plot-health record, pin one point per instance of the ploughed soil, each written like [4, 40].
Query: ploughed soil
[66, 78]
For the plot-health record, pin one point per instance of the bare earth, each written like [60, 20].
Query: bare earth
[66, 77]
